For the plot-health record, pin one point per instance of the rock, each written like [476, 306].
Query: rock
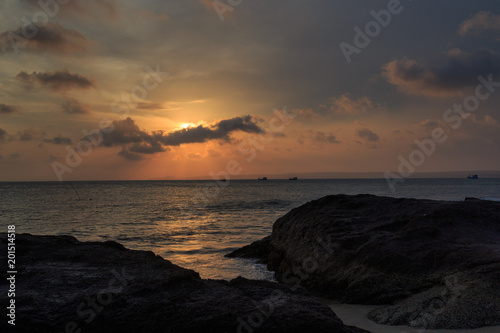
[63, 285]
[435, 264]
[258, 249]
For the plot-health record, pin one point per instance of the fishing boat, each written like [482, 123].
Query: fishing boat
[473, 177]
[263, 178]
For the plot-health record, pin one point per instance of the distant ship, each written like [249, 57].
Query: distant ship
[263, 178]
[473, 177]
[292, 178]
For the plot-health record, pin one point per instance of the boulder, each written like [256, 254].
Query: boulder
[258, 250]
[63, 285]
[433, 264]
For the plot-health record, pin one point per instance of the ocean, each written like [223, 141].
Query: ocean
[194, 223]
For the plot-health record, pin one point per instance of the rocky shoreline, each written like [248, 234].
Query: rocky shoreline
[431, 264]
[428, 264]
[63, 285]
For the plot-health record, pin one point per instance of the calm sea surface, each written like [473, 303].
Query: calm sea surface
[153, 215]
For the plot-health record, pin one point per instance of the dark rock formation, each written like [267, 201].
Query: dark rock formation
[437, 261]
[258, 249]
[63, 285]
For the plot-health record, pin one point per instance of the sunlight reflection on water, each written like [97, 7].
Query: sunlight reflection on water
[146, 215]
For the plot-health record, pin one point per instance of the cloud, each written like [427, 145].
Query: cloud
[150, 15]
[213, 153]
[218, 6]
[325, 138]
[429, 125]
[125, 131]
[368, 135]
[130, 156]
[84, 8]
[57, 81]
[147, 148]
[135, 140]
[458, 72]
[481, 21]
[194, 156]
[340, 106]
[72, 106]
[347, 105]
[220, 130]
[29, 134]
[150, 106]
[52, 38]
[4, 108]
[317, 137]
[14, 156]
[3, 134]
[58, 140]
[306, 113]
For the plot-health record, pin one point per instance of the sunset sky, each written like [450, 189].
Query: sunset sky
[177, 89]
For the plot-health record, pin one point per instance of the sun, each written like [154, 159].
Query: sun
[187, 125]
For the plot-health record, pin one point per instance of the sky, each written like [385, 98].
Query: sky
[109, 89]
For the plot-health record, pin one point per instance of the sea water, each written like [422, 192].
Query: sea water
[194, 223]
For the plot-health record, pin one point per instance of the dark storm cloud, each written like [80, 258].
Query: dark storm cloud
[57, 81]
[368, 135]
[58, 140]
[4, 108]
[52, 38]
[128, 134]
[220, 130]
[124, 132]
[459, 71]
[72, 106]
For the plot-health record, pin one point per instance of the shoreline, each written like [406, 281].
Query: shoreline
[102, 287]
[424, 263]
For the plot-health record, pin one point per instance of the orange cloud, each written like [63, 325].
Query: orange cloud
[481, 21]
